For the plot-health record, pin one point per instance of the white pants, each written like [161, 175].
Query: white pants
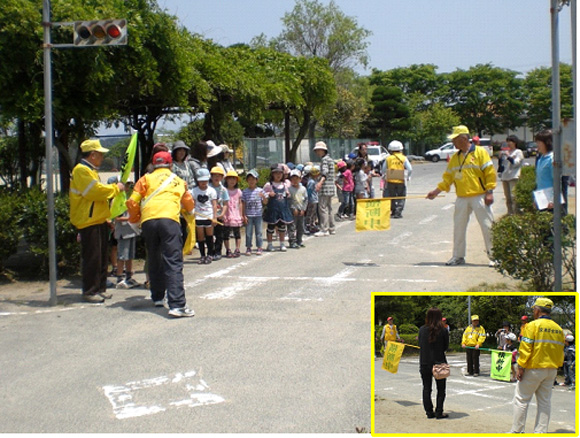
[463, 208]
[537, 381]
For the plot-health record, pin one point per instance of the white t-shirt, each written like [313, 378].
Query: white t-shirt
[203, 202]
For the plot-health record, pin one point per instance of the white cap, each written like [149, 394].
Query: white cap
[395, 145]
[570, 338]
[295, 172]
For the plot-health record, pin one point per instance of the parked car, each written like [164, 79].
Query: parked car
[531, 148]
[440, 153]
[375, 152]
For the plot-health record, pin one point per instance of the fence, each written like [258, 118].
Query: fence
[262, 152]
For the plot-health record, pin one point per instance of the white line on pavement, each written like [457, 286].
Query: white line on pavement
[428, 219]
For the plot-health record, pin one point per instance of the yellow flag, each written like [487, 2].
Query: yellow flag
[373, 214]
[393, 352]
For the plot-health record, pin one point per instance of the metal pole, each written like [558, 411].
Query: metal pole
[48, 162]
[556, 139]
[468, 309]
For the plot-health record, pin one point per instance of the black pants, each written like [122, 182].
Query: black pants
[164, 249]
[395, 190]
[472, 361]
[427, 378]
[95, 258]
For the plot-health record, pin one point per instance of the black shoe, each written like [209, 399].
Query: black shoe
[430, 414]
[440, 416]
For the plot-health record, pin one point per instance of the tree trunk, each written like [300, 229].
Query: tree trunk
[22, 161]
[300, 136]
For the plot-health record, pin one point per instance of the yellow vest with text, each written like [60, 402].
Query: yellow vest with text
[542, 345]
[396, 161]
[472, 173]
[473, 336]
[166, 204]
[390, 333]
[89, 198]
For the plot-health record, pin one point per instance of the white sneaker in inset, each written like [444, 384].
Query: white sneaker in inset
[321, 234]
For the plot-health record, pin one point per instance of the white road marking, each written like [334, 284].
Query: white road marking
[428, 219]
[51, 310]
[333, 280]
[124, 406]
[448, 206]
[230, 291]
[400, 238]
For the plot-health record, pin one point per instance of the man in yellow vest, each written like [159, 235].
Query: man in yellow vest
[389, 332]
[541, 354]
[473, 336]
[89, 211]
[156, 202]
[471, 171]
[396, 180]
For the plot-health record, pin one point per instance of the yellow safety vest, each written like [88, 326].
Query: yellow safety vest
[396, 161]
[165, 204]
[542, 345]
[473, 336]
[390, 333]
[89, 198]
[472, 173]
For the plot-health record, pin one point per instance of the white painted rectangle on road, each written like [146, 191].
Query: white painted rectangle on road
[138, 398]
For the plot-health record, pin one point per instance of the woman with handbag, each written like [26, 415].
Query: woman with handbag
[433, 341]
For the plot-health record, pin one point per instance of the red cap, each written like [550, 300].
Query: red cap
[389, 318]
[475, 139]
[444, 319]
[524, 318]
[162, 159]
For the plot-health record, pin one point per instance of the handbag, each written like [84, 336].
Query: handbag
[441, 371]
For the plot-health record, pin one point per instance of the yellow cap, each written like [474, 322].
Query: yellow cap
[233, 173]
[544, 302]
[218, 170]
[93, 145]
[474, 317]
[458, 130]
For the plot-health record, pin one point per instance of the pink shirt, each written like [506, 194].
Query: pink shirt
[233, 218]
[348, 181]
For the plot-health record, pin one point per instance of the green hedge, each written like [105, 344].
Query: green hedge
[10, 232]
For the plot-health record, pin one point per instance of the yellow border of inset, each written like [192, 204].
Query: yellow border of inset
[529, 294]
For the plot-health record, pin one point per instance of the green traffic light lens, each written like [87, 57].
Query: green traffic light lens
[84, 33]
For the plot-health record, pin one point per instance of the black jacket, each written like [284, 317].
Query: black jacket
[432, 353]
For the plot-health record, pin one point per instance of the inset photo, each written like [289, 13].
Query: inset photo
[474, 364]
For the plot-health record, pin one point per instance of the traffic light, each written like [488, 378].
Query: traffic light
[100, 33]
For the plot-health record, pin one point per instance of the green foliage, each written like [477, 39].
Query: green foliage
[408, 328]
[9, 161]
[10, 232]
[263, 178]
[34, 226]
[523, 247]
[525, 188]
[389, 116]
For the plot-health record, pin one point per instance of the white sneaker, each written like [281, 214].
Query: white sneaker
[321, 234]
[283, 248]
[492, 264]
[454, 261]
[131, 283]
[270, 247]
[122, 285]
[332, 232]
[160, 303]
[181, 312]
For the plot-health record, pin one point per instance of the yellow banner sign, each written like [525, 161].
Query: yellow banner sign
[373, 214]
[393, 352]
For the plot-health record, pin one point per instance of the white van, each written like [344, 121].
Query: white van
[447, 150]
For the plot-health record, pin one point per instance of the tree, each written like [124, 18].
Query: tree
[538, 87]
[486, 98]
[389, 116]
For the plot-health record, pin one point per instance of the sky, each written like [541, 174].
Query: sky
[452, 34]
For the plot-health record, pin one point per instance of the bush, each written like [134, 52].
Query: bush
[264, 177]
[34, 225]
[10, 233]
[525, 188]
[408, 328]
[523, 247]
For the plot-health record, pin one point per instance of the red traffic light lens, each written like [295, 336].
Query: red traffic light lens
[113, 31]
[99, 32]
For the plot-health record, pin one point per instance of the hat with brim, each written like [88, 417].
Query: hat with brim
[457, 131]
[203, 175]
[544, 302]
[180, 145]
[253, 173]
[320, 146]
[212, 152]
[93, 146]
[232, 173]
[475, 318]
[390, 318]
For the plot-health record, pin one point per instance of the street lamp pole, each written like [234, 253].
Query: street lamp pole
[48, 136]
